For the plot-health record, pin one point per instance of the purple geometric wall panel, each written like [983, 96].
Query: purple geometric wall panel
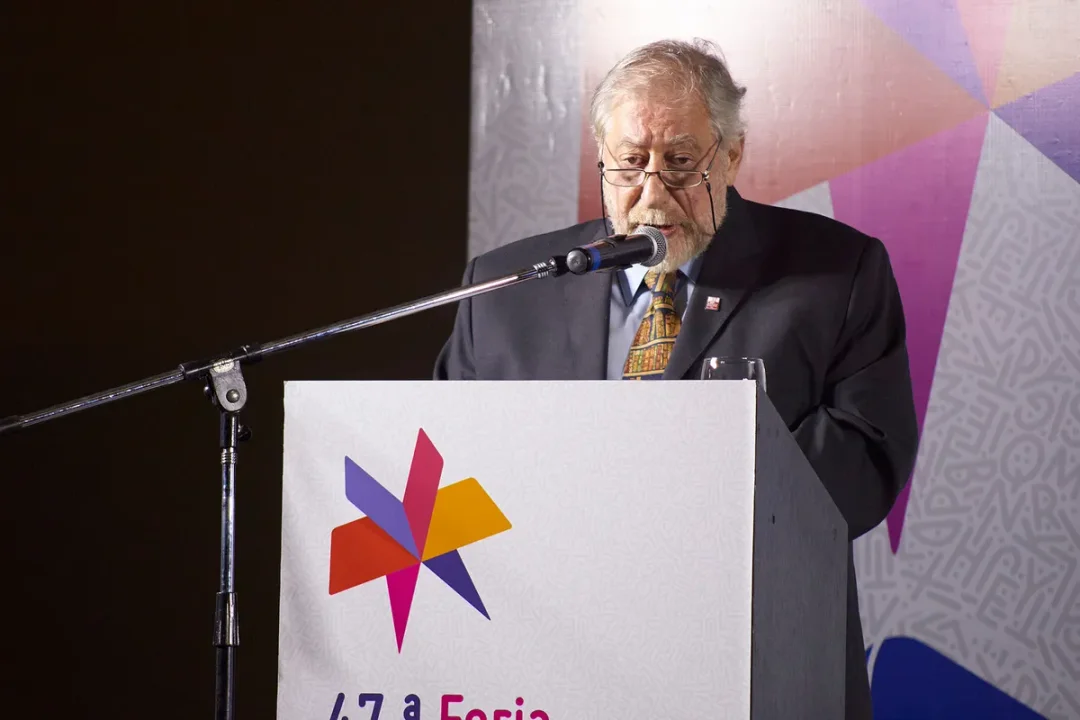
[1049, 119]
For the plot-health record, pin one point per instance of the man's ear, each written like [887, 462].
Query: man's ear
[735, 157]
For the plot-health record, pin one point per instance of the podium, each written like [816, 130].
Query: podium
[554, 550]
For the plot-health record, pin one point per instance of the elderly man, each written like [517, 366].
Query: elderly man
[814, 298]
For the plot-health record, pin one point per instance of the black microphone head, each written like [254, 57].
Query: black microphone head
[659, 241]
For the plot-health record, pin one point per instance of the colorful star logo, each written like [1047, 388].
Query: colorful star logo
[428, 527]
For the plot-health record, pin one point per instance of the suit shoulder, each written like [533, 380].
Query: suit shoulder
[525, 252]
[800, 231]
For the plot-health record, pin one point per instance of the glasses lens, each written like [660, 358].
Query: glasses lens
[624, 178]
[680, 178]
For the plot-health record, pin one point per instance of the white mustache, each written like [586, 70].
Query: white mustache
[653, 216]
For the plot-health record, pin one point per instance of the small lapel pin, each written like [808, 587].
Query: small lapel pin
[712, 303]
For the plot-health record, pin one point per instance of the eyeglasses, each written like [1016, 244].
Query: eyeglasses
[675, 179]
[633, 177]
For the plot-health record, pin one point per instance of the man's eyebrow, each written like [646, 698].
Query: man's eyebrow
[629, 144]
[684, 140]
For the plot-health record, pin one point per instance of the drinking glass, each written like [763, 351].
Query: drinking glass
[734, 368]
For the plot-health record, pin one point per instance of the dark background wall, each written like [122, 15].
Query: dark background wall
[176, 182]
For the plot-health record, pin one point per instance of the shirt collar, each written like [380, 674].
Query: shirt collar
[633, 276]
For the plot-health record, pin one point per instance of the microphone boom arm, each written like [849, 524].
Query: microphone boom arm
[252, 353]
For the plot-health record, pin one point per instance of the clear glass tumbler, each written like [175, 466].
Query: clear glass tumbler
[734, 368]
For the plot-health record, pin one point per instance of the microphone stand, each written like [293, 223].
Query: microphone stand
[223, 383]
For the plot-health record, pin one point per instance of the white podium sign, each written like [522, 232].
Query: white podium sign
[517, 550]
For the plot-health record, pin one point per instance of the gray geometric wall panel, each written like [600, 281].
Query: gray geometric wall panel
[988, 570]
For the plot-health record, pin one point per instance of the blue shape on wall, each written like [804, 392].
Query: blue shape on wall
[912, 681]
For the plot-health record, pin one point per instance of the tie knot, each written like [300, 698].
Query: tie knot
[658, 282]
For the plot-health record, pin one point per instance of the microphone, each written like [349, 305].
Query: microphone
[647, 247]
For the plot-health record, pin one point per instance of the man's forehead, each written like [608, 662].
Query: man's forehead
[637, 138]
[647, 121]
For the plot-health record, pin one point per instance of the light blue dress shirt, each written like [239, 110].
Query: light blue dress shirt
[630, 301]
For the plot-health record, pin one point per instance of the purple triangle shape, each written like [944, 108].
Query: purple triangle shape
[379, 504]
[934, 28]
[451, 569]
[1049, 119]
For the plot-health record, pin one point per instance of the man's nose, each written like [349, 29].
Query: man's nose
[654, 189]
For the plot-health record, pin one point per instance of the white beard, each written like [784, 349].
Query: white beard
[684, 246]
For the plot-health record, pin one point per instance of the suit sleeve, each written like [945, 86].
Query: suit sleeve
[455, 360]
[862, 439]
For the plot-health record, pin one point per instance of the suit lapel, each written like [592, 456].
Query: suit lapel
[729, 270]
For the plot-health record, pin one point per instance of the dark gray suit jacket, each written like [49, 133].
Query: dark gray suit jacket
[814, 298]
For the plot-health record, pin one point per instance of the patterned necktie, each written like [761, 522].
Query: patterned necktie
[656, 335]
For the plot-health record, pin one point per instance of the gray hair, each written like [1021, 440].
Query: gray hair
[677, 67]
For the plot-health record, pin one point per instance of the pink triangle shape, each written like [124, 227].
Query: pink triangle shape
[916, 201]
[987, 26]
[402, 586]
[422, 487]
